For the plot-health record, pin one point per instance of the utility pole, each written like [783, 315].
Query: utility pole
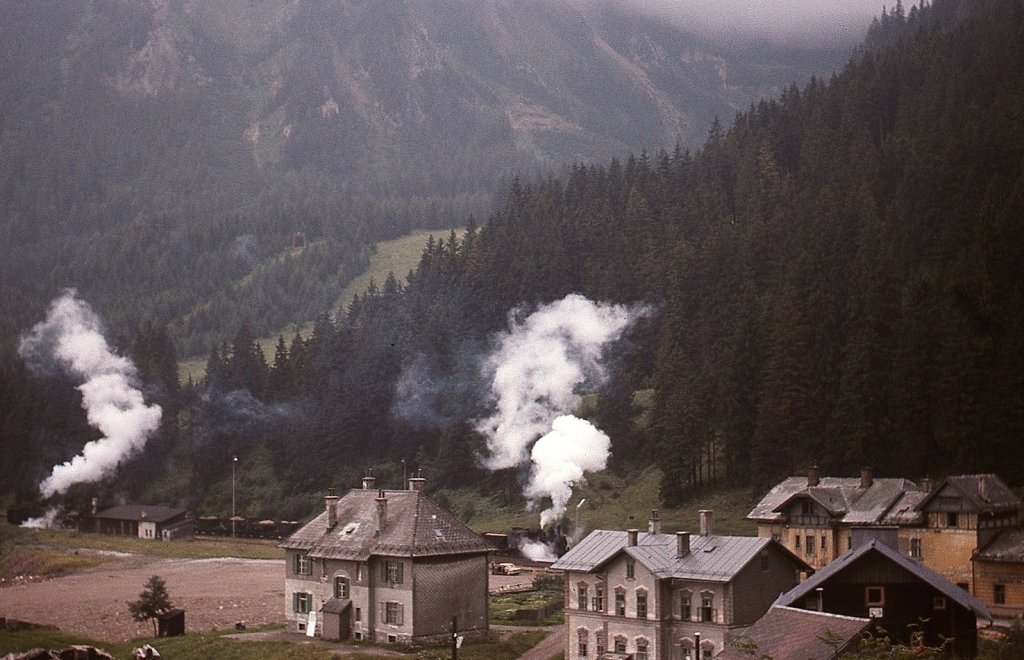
[234, 462]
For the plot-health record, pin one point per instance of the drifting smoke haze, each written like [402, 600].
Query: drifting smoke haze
[71, 338]
[535, 372]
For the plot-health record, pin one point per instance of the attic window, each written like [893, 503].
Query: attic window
[711, 549]
[439, 534]
[349, 528]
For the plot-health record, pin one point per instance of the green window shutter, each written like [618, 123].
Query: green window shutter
[295, 602]
[401, 615]
[399, 572]
[384, 571]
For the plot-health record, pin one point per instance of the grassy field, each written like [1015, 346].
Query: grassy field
[398, 256]
[615, 503]
[48, 552]
[201, 646]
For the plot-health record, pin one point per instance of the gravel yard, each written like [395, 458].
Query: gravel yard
[215, 593]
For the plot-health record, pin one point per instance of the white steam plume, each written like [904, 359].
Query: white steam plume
[560, 458]
[535, 373]
[71, 336]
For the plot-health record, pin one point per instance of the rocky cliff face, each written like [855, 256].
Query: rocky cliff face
[421, 97]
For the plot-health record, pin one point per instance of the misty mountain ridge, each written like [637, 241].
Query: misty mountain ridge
[144, 139]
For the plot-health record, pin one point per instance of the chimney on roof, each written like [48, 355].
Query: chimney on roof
[417, 482]
[331, 504]
[654, 524]
[812, 476]
[925, 486]
[983, 487]
[865, 477]
[707, 522]
[382, 510]
[682, 544]
[369, 481]
[633, 535]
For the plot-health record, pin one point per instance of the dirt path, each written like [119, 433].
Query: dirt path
[215, 593]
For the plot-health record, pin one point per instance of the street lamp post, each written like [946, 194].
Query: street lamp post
[578, 539]
[234, 462]
[696, 645]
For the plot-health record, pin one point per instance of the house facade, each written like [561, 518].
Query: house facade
[999, 574]
[961, 516]
[817, 518]
[388, 566]
[910, 601]
[144, 521]
[653, 595]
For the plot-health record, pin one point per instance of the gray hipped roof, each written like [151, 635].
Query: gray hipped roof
[986, 492]
[1007, 546]
[711, 558]
[836, 566]
[415, 527]
[885, 501]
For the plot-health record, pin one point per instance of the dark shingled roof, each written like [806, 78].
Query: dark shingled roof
[711, 558]
[987, 492]
[415, 527]
[140, 513]
[845, 499]
[936, 581]
[1007, 546]
[789, 633]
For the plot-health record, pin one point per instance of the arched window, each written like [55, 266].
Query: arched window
[602, 642]
[686, 605]
[707, 606]
[581, 595]
[687, 646]
[582, 635]
[620, 643]
[620, 601]
[641, 603]
[641, 648]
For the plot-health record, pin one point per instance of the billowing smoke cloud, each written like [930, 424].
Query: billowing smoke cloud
[560, 458]
[535, 374]
[71, 337]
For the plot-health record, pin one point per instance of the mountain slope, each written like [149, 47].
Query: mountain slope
[119, 115]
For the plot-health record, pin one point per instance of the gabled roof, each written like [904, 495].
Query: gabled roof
[789, 633]
[919, 570]
[831, 499]
[415, 527]
[140, 513]
[711, 558]
[986, 492]
[1007, 546]
[844, 498]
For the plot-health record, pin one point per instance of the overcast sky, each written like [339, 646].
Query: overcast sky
[797, 21]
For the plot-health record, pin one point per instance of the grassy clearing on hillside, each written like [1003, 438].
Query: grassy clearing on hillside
[397, 256]
[616, 503]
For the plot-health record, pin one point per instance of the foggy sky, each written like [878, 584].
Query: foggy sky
[796, 22]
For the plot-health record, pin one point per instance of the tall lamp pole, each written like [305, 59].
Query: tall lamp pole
[234, 462]
[577, 530]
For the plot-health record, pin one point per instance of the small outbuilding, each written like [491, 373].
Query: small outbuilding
[910, 601]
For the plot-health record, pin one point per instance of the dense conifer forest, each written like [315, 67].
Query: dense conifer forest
[836, 277]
